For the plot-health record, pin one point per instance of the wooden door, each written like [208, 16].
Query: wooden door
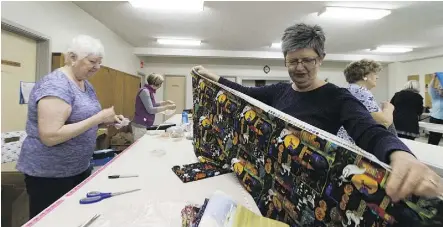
[175, 90]
[103, 84]
[118, 91]
[18, 64]
[58, 61]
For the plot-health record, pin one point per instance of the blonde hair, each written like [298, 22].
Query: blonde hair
[358, 70]
[155, 79]
[412, 85]
[83, 46]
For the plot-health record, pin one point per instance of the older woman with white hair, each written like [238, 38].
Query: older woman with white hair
[408, 109]
[63, 118]
[328, 107]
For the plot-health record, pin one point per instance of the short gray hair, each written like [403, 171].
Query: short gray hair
[300, 36]
[155, 79]
[83, 46]
[412, 85]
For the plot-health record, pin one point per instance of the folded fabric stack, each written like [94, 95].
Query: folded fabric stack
[221, 210]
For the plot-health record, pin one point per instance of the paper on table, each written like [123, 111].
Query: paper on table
[25, 91]
[223, 211]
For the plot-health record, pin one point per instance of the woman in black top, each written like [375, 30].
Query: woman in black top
[328, 107]
[408, 108]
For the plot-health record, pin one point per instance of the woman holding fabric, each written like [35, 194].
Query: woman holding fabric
[436, 93]
[408, 109]
[326, 106]
[362, 76]
[146, 107]
[63, 118]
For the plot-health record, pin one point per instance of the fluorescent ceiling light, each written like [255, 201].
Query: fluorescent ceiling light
[169, 5]
[276, 45]
[354, 13]
[181, 42]
[392, 49]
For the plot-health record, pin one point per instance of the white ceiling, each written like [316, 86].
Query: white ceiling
[250, 27]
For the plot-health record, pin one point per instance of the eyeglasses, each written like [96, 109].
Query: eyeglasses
[308, 63]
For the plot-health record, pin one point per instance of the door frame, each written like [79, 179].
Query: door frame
[44, 55]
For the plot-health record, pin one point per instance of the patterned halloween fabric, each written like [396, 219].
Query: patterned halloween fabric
[197, 171]
[296, 173]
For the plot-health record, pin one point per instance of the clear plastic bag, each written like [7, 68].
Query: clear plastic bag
[124, 123]
[175, 132]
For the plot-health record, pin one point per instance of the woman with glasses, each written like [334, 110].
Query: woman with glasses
[408, 109]
[328, 107]
[63, 115]
[362, 76]
[146, 107]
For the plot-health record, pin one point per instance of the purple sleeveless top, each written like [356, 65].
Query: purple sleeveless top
[73, 156]
[141, 116]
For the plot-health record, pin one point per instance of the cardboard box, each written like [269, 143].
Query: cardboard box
[121, 138]
[15, 201]
[103, 139]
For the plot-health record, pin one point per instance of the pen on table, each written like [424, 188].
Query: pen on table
[121, 176]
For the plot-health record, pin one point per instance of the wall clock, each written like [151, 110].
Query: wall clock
[266, 69]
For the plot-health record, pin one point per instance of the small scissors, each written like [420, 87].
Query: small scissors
[93, 197]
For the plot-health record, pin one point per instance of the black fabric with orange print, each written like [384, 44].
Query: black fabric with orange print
[294, 176]
[197, 171]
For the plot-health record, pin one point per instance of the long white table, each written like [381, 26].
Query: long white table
[162, 194]
[431, 127]
[431, 155]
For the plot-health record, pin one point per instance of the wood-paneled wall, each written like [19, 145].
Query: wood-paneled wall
[113, 87]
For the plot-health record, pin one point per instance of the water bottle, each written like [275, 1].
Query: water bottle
[185, 117]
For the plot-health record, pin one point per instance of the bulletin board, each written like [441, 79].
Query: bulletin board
[414, 77]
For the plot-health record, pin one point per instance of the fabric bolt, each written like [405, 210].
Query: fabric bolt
[200, 213]
[297, 173]
[73, 156]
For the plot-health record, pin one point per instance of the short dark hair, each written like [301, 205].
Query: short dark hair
[357, 70]
[300, 36]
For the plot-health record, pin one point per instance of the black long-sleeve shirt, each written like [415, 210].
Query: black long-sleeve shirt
[408, 108]
[328, 108]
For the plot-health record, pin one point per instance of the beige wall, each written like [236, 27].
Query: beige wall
[22, 50]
